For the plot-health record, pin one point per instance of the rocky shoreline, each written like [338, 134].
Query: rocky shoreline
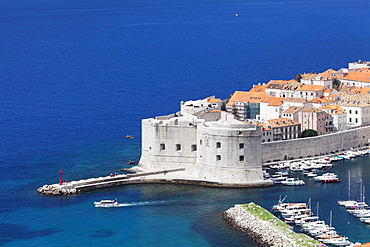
[56, 189]
[264, 228]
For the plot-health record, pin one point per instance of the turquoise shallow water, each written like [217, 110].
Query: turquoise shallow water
[161, 215]
[77, 76]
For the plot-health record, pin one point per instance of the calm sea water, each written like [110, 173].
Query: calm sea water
[78, 75]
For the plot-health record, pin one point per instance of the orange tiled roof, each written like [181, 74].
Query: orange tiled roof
[252, 97]
[258, 88]
[313, 76]
[332, 96]
[322, 100]
[364, 70]
[264, 126]
[334, 109]
[358, 75]
[330, 107]
[297, 100]
[293, 109]
[281, 122]
[359, 90]
[328, 90]
[313, 88]
[274, 101]
[328, 73]
[311, 110]
[281, 81]
[213, 100]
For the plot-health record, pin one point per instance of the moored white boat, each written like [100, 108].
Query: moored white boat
[337, 241]
[292, 181]
[327, 176]
[282, 173]
[311, 175]
[277, 179]
[330, 180]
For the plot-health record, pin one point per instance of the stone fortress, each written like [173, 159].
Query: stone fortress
[219, 148]
[209, 143]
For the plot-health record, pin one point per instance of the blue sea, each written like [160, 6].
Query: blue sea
[77, 76]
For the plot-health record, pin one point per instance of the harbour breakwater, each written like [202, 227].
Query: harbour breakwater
[171, 176]
[73, 187]
[265, 228]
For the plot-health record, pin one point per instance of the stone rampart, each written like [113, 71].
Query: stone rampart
[315, 146]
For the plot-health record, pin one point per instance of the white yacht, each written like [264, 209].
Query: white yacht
[292, 181]
[106, 203]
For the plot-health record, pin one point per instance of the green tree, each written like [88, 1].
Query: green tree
[298, 78]
[336, 83]
[309, 133]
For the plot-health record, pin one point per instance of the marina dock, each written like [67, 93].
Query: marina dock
[264, 228]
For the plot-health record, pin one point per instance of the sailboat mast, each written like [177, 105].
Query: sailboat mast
[349, 185]
[317, 209]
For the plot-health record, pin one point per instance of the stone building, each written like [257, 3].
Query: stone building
[357, 108]
[357, 78]
[216, 149]
[292, 112]
[210, 144]
[312, 118]
[317, 79]
[358, 65]
[309, 92]
[339, 117]
[246, 105]
[284, 128]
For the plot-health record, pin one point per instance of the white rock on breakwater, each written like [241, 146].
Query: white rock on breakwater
[56, 189]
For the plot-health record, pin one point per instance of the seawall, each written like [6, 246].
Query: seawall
[315, 146]
[168, 176]
[265, 228]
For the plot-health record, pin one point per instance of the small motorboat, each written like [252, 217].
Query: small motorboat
[106, 203]
[277, 179]
[292, 181]
[327, 177]
[311, 175]
[330, 180]
[282, 173]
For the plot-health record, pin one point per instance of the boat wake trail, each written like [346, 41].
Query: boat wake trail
[137, 204]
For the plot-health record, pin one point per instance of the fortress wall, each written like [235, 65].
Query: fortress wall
[219, 154]
[315, 146]
[168, 144]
